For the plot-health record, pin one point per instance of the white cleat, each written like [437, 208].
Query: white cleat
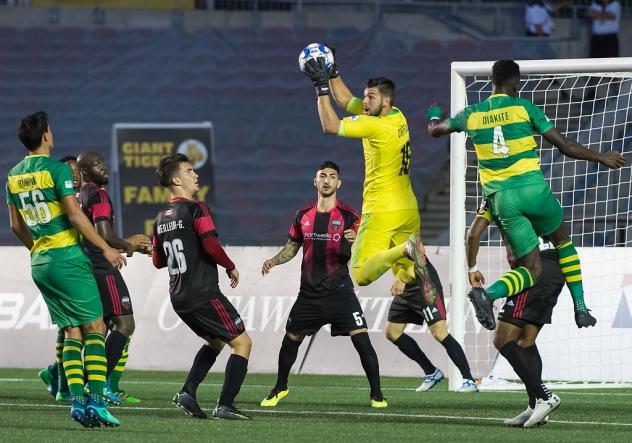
[468, 386]
[541, 411]
[520, 419]
[430, 381]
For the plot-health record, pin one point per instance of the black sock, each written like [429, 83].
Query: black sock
[287, 357]
[521, 362]
[236, 370]
[113, 349]
[536, 361]
[456, 354]
[202, 363]
[368, 357]
[411, 349]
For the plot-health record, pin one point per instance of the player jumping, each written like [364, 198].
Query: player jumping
[521, 201]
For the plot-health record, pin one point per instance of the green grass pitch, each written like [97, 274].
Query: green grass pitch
[319, 409]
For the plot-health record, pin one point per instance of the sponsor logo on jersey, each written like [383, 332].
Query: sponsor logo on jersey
[68, 184]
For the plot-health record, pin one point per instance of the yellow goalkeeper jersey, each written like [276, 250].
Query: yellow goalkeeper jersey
[386, 143]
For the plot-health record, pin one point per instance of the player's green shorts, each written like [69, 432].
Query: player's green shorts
[525, 213]
[69, 290]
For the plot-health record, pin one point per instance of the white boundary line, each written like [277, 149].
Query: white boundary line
[363, 414]
[511, 390]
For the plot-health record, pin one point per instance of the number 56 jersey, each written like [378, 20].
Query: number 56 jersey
[178, 233]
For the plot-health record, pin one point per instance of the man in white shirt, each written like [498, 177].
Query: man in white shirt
[605, 16]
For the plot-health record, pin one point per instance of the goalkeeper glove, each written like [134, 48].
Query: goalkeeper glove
[333, 69]
[434, 112]
[317, 72]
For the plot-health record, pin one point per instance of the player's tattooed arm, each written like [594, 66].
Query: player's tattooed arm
[286, 254]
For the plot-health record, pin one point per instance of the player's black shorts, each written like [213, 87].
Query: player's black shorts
[535, 305]
[412, 307]
[114, 294]
[341, 309]
[216, 319]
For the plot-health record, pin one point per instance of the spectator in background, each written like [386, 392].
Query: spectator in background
[538, 19]
[605, 16]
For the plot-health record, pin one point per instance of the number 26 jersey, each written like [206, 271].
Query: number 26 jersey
[178, 232]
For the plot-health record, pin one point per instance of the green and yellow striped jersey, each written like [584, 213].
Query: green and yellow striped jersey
[502, 129]
[36, 187]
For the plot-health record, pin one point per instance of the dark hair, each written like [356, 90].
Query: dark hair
[328, 164]
[386, 86]
[504, 71]
[31, 129]
[68, 158]
[168, 167]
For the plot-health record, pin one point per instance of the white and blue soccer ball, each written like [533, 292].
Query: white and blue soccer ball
[315, 50]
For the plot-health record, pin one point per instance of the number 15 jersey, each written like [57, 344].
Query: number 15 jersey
[386, 143]
[178, 232]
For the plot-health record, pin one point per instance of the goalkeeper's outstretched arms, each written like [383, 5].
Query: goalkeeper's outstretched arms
[436, 125]
[570, 148]
[317, 72]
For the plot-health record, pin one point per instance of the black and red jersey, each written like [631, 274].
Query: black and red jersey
[178, 235]
[325, 249]
[97, 206]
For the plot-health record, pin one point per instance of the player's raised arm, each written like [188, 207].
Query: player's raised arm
[286, 254]
[570, 148]
[316, 70]
[436, 126]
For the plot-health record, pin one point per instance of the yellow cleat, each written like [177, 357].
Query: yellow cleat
[274, 398]
[379, 403]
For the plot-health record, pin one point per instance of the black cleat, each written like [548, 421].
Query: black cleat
[188, 404]
[483, 307]
[584, 319]
[222, 412]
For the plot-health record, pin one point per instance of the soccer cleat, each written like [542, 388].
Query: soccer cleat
[468, 386]
[519, 419]
[223, 412]
[378, 402]
[483, 307]
[110, 396]
[46, 377]
[542, 409]
[97, 412]
[188, 404]
[275, 396]
[584, 319]
[128, 398]
[78, 414]
[430, 381]
[63, 396]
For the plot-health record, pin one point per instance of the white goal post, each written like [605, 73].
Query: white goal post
[589, 100]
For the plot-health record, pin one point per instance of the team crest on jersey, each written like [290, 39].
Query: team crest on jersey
[168, 212]
[126, 302]
[336, 224]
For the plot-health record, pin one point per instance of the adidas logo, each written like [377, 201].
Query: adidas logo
[510, 303]
[306, 223]
[434, 310]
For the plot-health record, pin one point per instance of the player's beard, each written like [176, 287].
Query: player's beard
[327, 193]
[377, 110]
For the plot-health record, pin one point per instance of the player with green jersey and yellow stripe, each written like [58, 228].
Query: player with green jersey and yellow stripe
[502, 129]
[45, 216]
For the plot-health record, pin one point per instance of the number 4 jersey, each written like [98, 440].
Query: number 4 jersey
[502, 129]
[181, 235]
[36, 186]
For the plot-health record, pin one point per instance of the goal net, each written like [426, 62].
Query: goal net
[589, 101]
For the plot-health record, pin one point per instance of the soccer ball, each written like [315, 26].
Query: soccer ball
[315, 50]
